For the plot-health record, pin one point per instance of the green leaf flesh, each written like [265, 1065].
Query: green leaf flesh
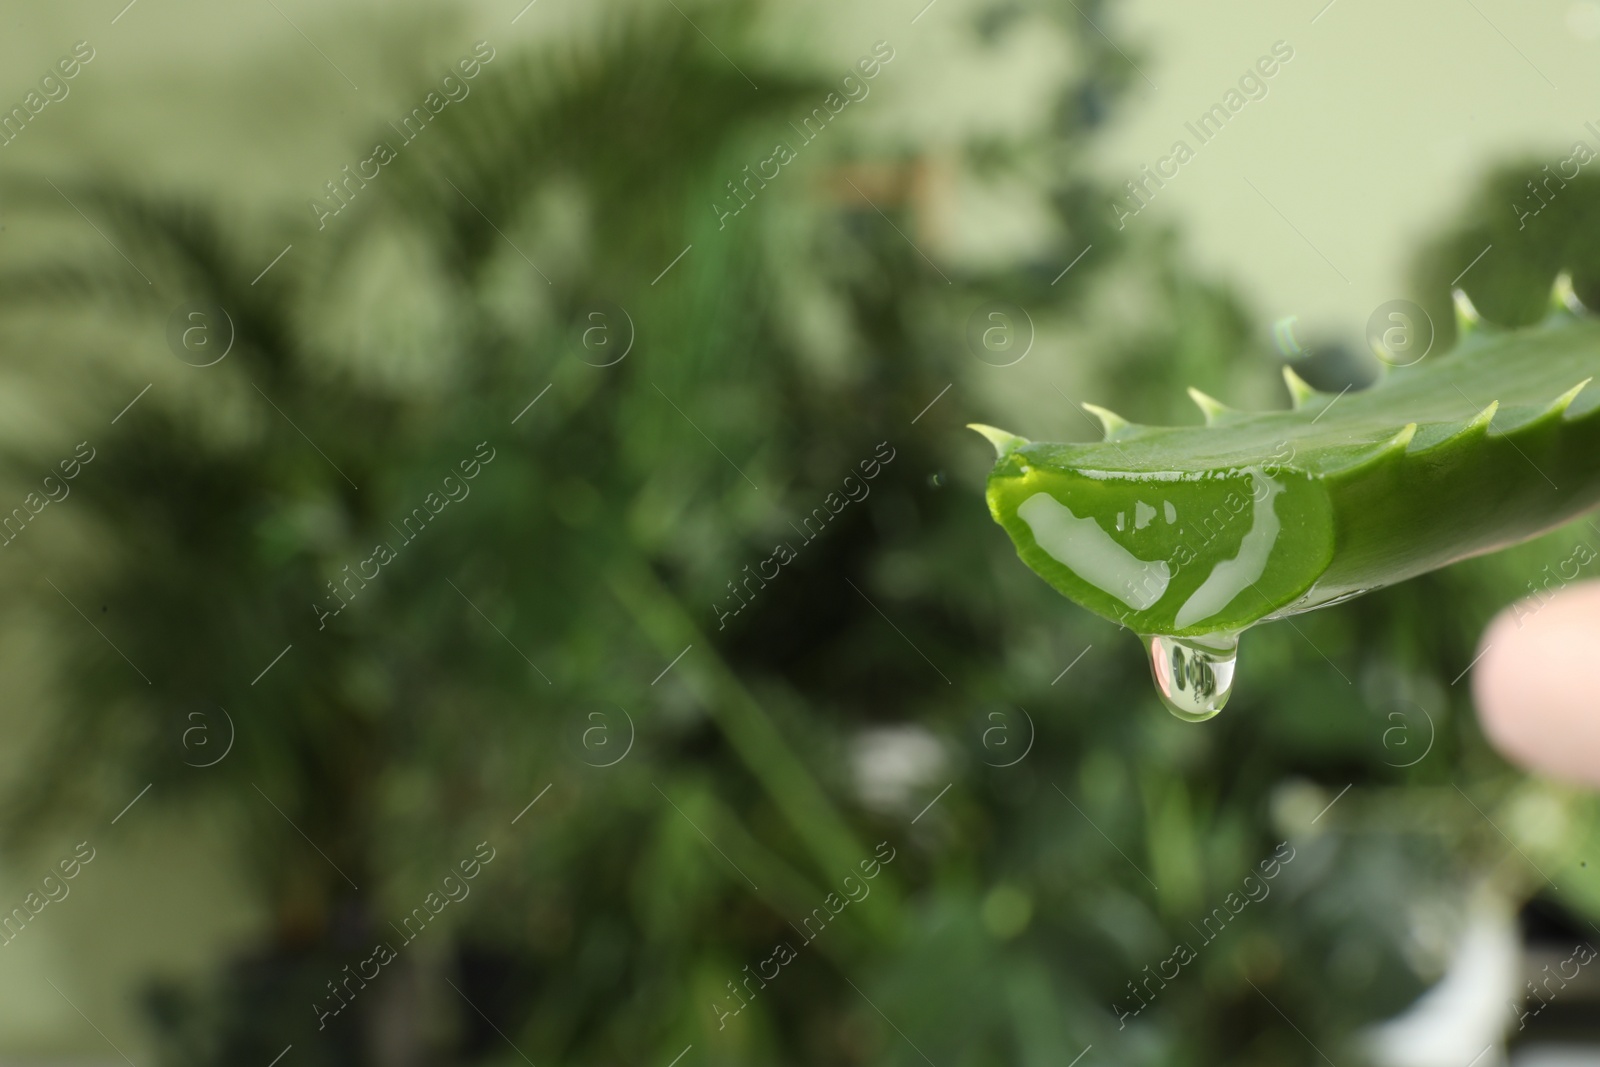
[1189, 531]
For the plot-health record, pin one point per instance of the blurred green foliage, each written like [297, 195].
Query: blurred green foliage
[466, 678]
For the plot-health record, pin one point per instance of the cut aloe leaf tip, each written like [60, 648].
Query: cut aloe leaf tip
[1190, 535]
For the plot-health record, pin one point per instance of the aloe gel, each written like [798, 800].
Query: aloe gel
[1191, 535]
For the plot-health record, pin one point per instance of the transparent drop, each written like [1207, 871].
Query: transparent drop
[936, 480]
[1194, 675]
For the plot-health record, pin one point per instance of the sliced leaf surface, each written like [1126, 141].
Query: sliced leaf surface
[1187, 531]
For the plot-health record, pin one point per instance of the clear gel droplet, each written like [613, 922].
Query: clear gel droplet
[1194, 675]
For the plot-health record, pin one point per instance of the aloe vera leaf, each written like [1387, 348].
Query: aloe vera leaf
[1188, 531]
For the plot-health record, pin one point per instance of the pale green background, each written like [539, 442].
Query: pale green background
[1369, 138]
